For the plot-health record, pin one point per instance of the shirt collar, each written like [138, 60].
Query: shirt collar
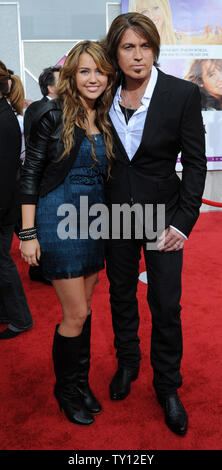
[148, 92]
[151, 84]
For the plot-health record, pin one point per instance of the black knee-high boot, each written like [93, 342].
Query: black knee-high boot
[66, 365]
[89, 399]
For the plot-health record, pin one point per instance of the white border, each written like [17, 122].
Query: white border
[107, 6]
[31, 75]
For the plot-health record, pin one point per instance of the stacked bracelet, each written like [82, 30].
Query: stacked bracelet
[27, 234]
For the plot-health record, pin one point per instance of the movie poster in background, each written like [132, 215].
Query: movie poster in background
[191, 48]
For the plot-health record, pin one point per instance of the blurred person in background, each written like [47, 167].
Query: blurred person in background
[48, 82]
[14, 309]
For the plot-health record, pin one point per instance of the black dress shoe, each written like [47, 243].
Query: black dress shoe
[120, 385]
[175, 414]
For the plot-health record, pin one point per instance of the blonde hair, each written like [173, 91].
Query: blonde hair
[167, 35]
[73, 109]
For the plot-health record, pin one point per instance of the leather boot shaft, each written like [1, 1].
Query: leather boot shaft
[66, 365]
[90, 401]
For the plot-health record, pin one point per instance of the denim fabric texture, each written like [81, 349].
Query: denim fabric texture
[67, 258]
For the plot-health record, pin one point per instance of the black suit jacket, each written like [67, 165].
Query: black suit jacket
[31, 113]
[10, 148]
[173, 124]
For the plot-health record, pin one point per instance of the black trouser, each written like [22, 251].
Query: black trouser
[13, 304]
[163, 295]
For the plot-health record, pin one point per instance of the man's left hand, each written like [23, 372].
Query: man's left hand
[171, 240]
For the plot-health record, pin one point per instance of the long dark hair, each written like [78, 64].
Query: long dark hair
[139, 23]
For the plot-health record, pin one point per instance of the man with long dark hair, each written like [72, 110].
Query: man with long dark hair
[154, 117]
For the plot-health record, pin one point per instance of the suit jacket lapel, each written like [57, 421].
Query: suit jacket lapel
[155, 112]
[119, 148]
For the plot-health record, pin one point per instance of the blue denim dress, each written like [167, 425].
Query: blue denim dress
[62, 219]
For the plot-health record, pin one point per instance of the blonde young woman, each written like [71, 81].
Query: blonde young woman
[69, 156]
[159, 12]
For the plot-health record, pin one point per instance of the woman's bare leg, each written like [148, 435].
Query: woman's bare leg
[89, 288]
[72, 296]
[75, 297]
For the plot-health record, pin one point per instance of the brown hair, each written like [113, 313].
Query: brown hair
[139, 23]
[4, 77]
[73, 110]
[196, 69]
[195, 75]
[16, 95]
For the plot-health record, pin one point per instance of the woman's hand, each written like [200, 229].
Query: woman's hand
[30, 251]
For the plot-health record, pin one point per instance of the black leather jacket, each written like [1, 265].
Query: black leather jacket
[10, 148]
[41, 173]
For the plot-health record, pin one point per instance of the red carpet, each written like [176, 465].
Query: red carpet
[30, 418]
